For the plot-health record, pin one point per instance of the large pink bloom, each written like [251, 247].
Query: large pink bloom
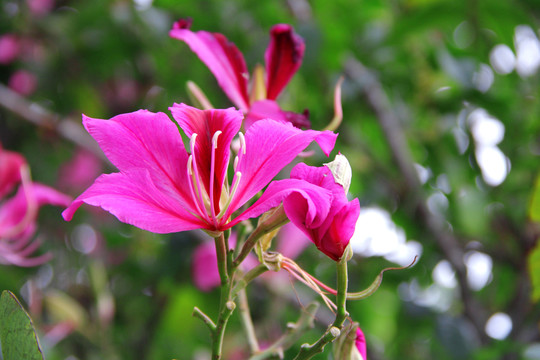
[18, 214]
[163, 188]
[330, 231]
[283, 57]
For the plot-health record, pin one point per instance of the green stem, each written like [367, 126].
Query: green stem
[308, 351]
[275, 220]
[226, 305]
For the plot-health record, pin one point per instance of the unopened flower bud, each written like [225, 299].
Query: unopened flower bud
[341, 169]
[350, 345]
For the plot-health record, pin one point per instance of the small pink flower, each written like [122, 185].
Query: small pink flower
[23, 82]
[9, 48]
[330, 231]
[162, 188]
[18, 214]
[283, 57]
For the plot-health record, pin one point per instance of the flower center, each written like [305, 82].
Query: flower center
[204, 200]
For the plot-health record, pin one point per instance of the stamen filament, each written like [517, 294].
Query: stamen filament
[212, 173]
[191, 187]
[197, 183]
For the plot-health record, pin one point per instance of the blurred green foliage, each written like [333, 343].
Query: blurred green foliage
[105, 57]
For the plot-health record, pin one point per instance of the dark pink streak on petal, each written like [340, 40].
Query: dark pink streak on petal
[205, 123]
[270, 146]
[223, 59]
[135, 199]
[145, 140]
[283, 57]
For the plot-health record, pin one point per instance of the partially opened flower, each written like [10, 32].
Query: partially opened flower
[18, 214]
[283, 57]
[332, 233]
[162, 188]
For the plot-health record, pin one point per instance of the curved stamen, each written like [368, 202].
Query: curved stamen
[202, 213]
[197, 182]
[212, 173]
[241, 151]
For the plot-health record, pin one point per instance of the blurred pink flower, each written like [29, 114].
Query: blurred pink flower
[165, 189]
[10, 170]
[23, 82]
[18, 214]
[204, 269]
[9, 48]
[330, 232]
[283, 57]
[79, 172]
[40, 7]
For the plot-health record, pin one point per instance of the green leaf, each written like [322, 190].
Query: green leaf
[534, 271]
[17, 334]
[534, 206]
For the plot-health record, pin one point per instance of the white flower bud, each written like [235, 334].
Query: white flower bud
[341, 169]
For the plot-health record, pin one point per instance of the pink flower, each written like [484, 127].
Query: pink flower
[79, 172]
[9, 48]
[10, 170]
[283, 57]
[23, 82]
[330, 231]
[40, 7]
[162, 188]
[18, 214]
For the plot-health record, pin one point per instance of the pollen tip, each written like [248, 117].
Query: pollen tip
[192, 140]
[215, 138]
[242, 142]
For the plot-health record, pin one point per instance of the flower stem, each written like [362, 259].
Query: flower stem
[226, 305]
[308, 351]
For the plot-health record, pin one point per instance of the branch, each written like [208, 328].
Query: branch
[38, 115]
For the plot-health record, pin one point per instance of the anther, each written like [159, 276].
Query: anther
[215, 138]
[242, 142]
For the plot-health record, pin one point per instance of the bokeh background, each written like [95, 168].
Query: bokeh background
[441, 106]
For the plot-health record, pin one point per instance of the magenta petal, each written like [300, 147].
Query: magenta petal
[341, 229]
[144, 140]
[270, 146]
[205, 123]
[283, 57]
[360, 343]
[314, 200]
[223, 59]
[264, 109]
[134, 199]
[10, 170]
[269, 109]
